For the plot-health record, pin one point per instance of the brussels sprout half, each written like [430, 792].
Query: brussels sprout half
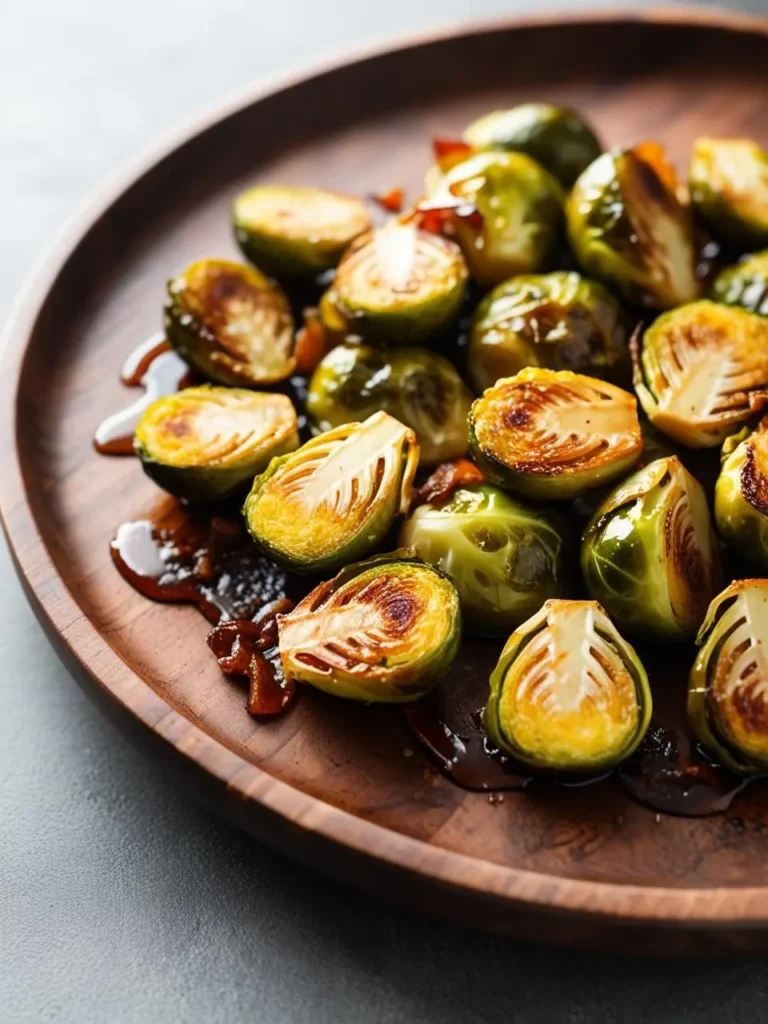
[650, 556]
[559, 139]
[520, 208]
[552, 435]
[396, 285]
[416, 386]
[231, 323]
[505, 558]
[628, 228]
[745, 285]
[741, 494]
[561, 321]
[729, 190]
[568, 693]
[335, 498]
[293, 231]
[702, 370]
[382, 631]
[208, 443]
[728, 694]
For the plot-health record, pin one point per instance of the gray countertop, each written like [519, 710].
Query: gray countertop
[120, 899]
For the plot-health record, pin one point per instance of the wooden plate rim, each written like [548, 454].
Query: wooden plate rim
[73, 634]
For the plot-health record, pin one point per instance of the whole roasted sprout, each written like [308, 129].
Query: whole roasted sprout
[745, 285]
[628, 228]
[702, 371]
[382, 631]
[207, 443]
[396, 285]
[559, 139]
[650, 556]
[230, 323]
[335, 498]
[294, 231]
[568, 694]
[504, 210]
[741, 494]
[561, 321]
[504, 557]
[418, 387]
[727, 700]
[553, 434]
[729, 190]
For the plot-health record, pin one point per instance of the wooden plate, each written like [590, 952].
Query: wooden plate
[330, 783]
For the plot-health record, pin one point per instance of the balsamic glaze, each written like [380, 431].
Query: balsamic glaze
[153, 366]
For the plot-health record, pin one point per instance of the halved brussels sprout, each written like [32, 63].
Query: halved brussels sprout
[504, 210]
[382, 631]
[729, 190]
[568, 694]
[396, 285]
[231, 323]
[728, 694]
[295, 231]
[553, 434]
[702, 371]
[628, 228]
[561, 321]
[208, 443]
[741, 494]
[335, 498]
[558, 139]
[505, 558]
[416, 386]
[650, 556]
[745, 285]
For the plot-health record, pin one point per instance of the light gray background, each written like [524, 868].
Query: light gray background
[121, 900]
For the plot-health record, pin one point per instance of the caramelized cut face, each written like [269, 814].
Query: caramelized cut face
[337, 495]
[568, 693]
[737, 670]
[381, 634]
[703, 371]
[302, 214]
[211, 426]
[558, 425]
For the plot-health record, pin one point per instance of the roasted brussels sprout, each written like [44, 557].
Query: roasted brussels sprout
[568, 694]
[561, 321]
[231, 323]
[416, 386]
[208, 443]
[294, 231]
[650, 556]
[335, 498]
[628, 228]
[727, 700]
[505, 558]
[553, 434]
[702, 371]
[396, 285]
[745, 285]
[504, 210]
[560, 140]
[729, 190]
[741, 494]
[382, 631]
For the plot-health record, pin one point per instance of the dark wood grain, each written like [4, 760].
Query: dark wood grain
[336, 785]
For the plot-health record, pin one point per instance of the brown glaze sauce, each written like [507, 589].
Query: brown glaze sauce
[153, 366]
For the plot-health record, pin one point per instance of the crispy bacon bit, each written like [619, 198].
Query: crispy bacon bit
[313, 342]
[248, 647]
[449, 152]
[391, 201]
[438, 214]
[446, 479]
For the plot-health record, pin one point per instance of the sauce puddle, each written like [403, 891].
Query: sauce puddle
[156, 368]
